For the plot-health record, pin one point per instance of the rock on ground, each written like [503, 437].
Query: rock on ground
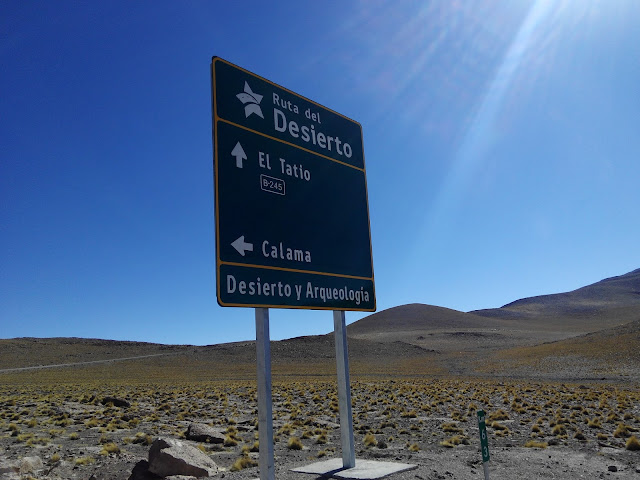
[30, 464]
[200, 432]
[169, 457]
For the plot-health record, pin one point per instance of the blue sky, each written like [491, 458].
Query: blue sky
[501, 141]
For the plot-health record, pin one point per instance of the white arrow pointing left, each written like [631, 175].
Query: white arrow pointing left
[238, 152]
[241, 246]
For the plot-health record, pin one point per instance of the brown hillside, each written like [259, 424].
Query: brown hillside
[534, 337]
[609, 353]
[418, 317]
[609, 302]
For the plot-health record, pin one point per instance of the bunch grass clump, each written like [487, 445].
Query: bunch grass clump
[454, 441]
[536, 444]
[109, 448]
[243, 462]
[84, 461]
[370, 440]
[498, 415]
[633, 444]
[294, 443]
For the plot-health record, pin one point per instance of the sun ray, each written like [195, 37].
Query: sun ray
[480, 135]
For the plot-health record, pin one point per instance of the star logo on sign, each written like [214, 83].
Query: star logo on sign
[251, 101]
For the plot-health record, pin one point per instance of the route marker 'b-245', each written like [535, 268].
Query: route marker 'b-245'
[292, 215]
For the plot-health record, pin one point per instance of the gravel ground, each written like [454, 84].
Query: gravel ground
[430, 423]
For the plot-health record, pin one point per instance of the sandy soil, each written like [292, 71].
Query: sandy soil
[68, 427]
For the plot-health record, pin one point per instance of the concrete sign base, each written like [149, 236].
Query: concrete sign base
[364, 469]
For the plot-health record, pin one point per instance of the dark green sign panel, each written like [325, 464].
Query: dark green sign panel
[292, 217]
[484, 441]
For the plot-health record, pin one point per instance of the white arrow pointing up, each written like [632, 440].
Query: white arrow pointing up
[238, 152]
[241, 246]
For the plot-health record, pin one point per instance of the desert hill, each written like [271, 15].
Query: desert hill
[592, 332]
[417, 317]
[610, 353]
[609, 302]
[595, 316]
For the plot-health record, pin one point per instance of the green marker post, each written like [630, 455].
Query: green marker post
[484, 443]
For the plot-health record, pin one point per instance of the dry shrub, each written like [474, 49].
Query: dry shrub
[622, 431]
[455, 440]
[499, 415]
[84, 461]
[451, 428]
[633, 444]
[230, 441]
[594, 423]
[108, 448]
[370, 440]
[243, 462]
[294, 444]
[535, 444]
[142, 438]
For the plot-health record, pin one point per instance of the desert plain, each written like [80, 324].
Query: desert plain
[558, 377]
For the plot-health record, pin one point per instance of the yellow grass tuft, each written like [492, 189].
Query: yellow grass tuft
[108, 448]
[229, 441]
[294, 443]
[498, 426]
[370, 440]
[243, 462]
[499, 415]
[633, 443]
[535, 444]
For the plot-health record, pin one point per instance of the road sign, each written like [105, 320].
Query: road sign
[292, 215]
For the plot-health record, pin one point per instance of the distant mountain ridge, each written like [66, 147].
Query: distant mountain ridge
[618, 296]
[594, 330]
[466, 341]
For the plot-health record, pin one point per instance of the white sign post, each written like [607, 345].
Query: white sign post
[344, 390]
[265, 413]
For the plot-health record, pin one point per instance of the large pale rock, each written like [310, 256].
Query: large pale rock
[30, 464]
[200, 432]
[172, 457]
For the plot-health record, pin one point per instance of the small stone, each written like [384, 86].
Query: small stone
[612, 468]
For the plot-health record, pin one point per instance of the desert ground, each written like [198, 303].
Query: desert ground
[558, 377]
[99, 420]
